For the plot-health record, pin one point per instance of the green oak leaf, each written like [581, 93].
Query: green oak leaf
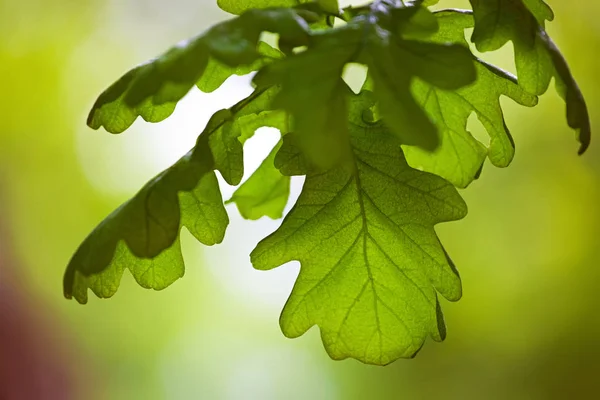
[157, 273]
[500, 21]
[265, 193]
[460, 156]
[394, 62]
[239, 123]
[153, 89]
[537, 58]
[371, 262]
[381, 167]
[313, 96]
[142, 234]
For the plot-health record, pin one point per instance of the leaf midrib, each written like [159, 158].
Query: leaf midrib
[365, 233]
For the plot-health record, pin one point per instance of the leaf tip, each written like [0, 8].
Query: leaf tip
[584, 136]
[583, 148]
[441, 324]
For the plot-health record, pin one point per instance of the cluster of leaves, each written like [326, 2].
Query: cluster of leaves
[381, 165]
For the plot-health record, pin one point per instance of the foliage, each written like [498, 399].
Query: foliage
[381, 165]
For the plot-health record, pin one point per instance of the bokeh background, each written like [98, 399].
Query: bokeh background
[528, 326]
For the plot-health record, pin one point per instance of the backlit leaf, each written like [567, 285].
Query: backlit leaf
[312, 95]
[142, 234]
[536, 56]
[371, 266]
[153, 89]
[265, 193]
[460, 157]
[381, 167]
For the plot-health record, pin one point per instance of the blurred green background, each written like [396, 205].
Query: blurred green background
[528, 326]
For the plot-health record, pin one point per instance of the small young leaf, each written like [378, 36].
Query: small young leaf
[239, 123]
[265, 193]
[371, 266]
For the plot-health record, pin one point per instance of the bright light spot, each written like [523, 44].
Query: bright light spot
[477, 130]
[278, 373]
[355, 75]
[223, 364]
